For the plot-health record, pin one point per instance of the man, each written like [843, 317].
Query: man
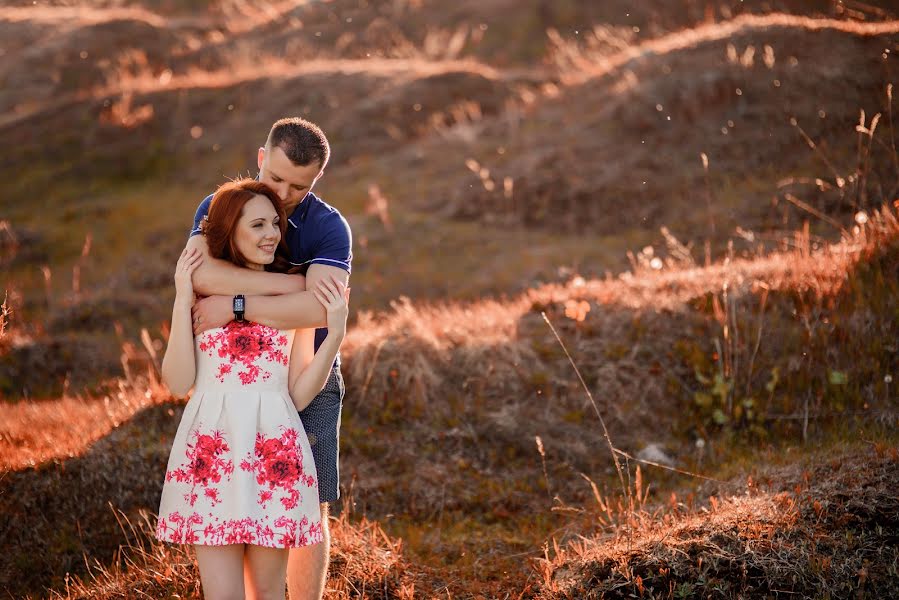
[320, 242]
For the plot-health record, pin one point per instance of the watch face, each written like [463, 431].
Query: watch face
[238, 305]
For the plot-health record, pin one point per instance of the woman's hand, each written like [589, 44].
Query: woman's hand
[188, 262]
[335, 299]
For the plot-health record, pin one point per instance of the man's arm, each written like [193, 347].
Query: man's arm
[220, 277]
[299, 310]
[291, 310]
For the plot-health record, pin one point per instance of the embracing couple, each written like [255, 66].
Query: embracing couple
[254, 462]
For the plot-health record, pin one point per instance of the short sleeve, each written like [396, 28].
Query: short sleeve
[202, 211]
[336, 245]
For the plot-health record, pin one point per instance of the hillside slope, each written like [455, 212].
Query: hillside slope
[699, 199]
[700, 362]
[491, 176]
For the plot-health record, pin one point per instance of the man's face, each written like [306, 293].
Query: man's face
[291, 182]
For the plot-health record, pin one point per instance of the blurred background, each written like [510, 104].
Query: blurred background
[478, 148]
[684, 187]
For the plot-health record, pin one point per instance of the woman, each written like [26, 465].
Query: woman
[241, 483]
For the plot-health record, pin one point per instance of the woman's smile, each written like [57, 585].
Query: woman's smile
[258, 228]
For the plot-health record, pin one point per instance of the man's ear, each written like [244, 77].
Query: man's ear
[260, 156]
[317, 177]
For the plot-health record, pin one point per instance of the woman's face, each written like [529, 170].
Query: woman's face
[258, 232]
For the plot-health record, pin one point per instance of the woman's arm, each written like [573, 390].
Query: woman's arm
[309, 372]
[310, 380]
[224, 278]
[179, 366]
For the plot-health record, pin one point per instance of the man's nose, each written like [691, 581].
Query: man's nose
[282, 191]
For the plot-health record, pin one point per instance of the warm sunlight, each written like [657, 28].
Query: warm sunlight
[494, 299]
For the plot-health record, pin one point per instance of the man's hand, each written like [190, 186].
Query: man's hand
[211, 312]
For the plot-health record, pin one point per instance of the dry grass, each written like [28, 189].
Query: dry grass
[457, 393]
[36, 432]
[83, 522]
[412, 349]
[475, 383]
[826, 530]
[604, 51]
[365, 564]
[446, 400]
[654, 111]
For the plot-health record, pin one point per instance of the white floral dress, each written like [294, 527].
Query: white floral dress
[241, 470]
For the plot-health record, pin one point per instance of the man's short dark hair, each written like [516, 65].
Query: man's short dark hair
[302, 141]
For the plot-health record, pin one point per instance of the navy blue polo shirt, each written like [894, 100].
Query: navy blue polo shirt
[316, 234]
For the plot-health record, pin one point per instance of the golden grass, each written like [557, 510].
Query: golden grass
[474, 331]
[455, 392]
[579, 63]
[35, 432]
[365, 564]
[821, 529]
[469, 384]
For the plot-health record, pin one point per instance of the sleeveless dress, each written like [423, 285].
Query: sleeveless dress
[241, 469]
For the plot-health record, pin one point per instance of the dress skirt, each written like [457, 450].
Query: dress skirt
[241, 470]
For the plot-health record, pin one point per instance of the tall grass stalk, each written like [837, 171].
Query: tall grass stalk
[605, 430]
[5, 314]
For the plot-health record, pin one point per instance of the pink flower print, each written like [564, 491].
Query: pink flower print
[279, 357]
[251, 374]
[181, 531]
[205, 465]
[208, 531]
[224, 369]
[284, 532]
[240, 532]
[244, 344]
[292, 499]
[278, 463]
[213, 495]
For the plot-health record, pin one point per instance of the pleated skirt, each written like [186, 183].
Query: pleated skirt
[240, 472]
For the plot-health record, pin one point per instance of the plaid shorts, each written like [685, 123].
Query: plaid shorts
[321, 419]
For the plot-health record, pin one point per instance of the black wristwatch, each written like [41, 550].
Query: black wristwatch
[239, 305]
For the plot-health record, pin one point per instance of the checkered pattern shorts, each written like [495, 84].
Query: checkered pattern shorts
[321, 419]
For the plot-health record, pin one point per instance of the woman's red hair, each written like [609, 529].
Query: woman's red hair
[224, 213]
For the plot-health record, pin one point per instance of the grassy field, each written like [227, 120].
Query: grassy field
[699, 200]
[486, 494]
